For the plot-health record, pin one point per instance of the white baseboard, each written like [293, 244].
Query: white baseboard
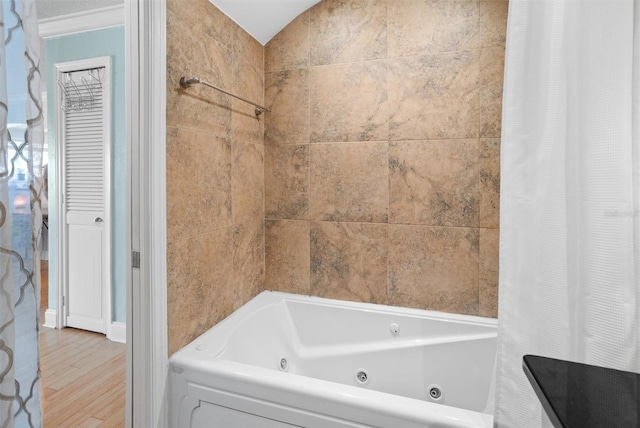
[118, 332]
[50, 318]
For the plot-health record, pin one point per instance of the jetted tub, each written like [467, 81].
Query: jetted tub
[286, 360]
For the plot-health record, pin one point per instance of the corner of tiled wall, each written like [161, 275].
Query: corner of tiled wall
[374, 178]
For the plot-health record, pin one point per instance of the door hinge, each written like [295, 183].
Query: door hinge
[135, 259]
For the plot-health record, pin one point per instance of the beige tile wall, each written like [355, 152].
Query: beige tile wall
[375, 178]
[215, 170]
[382, 152]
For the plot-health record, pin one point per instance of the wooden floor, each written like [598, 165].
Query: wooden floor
[83, 377]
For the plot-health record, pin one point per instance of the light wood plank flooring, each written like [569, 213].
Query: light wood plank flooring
[83, 377]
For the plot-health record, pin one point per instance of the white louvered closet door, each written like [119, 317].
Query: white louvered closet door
[86, 197]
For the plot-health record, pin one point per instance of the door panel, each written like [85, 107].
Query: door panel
[85, 305]
[84, 97]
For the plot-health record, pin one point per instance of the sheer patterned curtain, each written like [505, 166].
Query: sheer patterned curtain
[21, 141]
[570, 193]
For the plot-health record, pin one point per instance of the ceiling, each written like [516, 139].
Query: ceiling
[263, 19]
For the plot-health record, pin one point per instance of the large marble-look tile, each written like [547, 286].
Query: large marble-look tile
[349, 182]
[434, 268]
[190, 53]
[349, 261]
[434, 97]
[248, 261]
[197, 112]
[490, 182]
[289, 49]
[287, 95]
[488, 274]
[203, 16]
[493, 23]
[250, 48]
[286, 181]
[246, 127]
[349, 102]
[247, 182]
[287, 256]
[434, 182]
[199, 285]
[491, 81]
[419, 27]
[348, 31]
[198, 183]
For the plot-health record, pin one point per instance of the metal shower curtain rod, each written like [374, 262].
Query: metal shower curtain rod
[187, 82]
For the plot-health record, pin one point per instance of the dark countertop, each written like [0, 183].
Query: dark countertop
[576, 395]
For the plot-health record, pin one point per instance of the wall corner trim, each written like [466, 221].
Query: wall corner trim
[50, 318]
[118, 332]
[89, 20]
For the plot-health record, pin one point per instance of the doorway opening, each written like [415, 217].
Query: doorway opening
[84, 373]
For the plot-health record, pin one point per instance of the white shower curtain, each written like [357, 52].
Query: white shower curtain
[21, 141]
[570, 193]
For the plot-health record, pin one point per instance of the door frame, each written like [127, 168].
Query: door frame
[147, 348]
[61, 211]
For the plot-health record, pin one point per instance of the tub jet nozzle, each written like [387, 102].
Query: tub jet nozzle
[284, 364]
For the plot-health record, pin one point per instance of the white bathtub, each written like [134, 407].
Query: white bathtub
[287, 360]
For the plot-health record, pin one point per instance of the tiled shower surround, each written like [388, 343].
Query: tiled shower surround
[215, 178]
[376, 173]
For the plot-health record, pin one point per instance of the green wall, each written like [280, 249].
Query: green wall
[109, 42]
